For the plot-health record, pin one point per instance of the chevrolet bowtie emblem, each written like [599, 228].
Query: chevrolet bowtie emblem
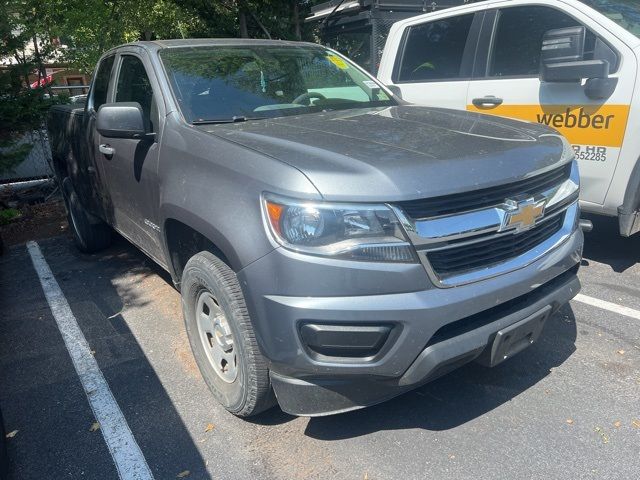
[522, 215]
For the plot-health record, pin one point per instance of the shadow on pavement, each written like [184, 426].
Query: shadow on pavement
[456, 398]
[40, 393]
[35, 379]
[605, 245]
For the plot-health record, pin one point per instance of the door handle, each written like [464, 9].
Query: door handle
[106, 149]
[487, 102]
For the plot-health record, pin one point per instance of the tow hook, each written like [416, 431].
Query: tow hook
[586, 225]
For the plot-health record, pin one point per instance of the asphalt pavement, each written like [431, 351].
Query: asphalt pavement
[566, 408]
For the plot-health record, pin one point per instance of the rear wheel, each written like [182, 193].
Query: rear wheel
[222, 336]
[89, 233]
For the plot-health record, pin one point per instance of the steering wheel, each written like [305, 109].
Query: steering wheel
[308, 96]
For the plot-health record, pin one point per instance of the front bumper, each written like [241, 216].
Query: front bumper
[433, 330]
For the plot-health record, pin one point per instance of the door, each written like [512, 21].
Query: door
[130, 165]
[506, 82]
[91, 185]
[435, 60]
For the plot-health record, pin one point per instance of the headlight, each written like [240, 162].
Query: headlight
[340, 230]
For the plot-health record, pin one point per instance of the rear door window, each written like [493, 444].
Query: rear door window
[101, 83]
[435, 50]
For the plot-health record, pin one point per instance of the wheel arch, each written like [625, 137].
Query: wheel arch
[185, 235]
[629, 210]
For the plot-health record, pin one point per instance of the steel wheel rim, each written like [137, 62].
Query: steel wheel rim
[216, 337]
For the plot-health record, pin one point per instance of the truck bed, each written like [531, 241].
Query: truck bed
[64, 125]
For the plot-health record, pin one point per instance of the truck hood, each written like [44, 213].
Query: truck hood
[400, 153]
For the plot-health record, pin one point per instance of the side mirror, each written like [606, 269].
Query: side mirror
[563, 45]
[562, 57]
[600, 88]
[121, 120]
[575, 71]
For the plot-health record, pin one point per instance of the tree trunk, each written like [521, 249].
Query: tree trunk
[42, 73]
[22, 70]
[262, 27]
[296, 20]
[242, 19]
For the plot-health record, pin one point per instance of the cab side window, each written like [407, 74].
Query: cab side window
[101, 83]
[518, 39]
[134, 86]
[434, 50]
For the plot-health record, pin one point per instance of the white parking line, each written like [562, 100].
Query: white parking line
[123, 447]
[612, 307]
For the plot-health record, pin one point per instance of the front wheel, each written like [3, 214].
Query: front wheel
[222, 337]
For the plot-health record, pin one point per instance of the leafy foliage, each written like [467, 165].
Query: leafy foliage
[279, 19]
[90, 27]
[8, 215]
[21, 109]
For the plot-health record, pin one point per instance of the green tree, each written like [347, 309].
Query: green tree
[279, 19]
[90, 27]
[23, 49]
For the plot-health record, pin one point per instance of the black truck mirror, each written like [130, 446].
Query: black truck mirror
[575, 71]
[562, 45]
[120, 120]
[562, 57]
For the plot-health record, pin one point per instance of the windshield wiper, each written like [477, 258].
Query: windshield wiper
[234, 119]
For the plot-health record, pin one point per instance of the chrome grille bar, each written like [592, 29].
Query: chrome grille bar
[426, 233]
[481, 226]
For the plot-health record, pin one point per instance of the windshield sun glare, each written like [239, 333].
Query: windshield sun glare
[219, 84]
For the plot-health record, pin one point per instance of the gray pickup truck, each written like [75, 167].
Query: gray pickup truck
[333, 245]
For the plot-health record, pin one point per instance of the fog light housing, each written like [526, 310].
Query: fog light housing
[344, 341]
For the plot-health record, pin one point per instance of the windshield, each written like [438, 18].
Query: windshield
[625, 13]
[234, 83]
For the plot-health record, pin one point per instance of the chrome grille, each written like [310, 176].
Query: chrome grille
[460, 202]
[481, 240]
[456, 260]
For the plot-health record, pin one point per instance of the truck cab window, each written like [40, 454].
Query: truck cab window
[134, 86]
[625, 13]
[101, 83]
[434, 50]
[518, 39]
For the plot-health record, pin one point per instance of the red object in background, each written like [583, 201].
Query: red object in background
[42, 82]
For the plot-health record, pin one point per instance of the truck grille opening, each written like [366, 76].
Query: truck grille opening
[486, 197]
[456, 260]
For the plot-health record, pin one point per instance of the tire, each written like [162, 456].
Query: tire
[232, 366]
[89, 232]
